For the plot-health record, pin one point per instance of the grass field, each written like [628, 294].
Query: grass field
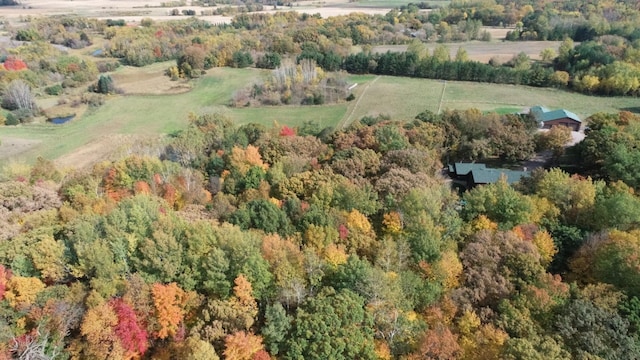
[124, 120]
[406, 97]
[148, 115]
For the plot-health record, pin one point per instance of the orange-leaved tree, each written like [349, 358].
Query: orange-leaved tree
[167, 300]
[242, 346]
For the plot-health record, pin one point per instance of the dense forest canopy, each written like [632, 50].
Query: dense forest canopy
[308, 242]
[255, 243]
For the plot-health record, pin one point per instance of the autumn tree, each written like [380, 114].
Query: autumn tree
[242, 346]
[573, 195]
[168, 302]
[22, 291]
[331, 325]
[499, 202]
[438, 343]
[98, 330]
[220, 318]
[133, 337]
[192, 61]
[610, 258]
[496, 265]
[555, 140]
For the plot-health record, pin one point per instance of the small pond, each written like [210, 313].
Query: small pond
[61, 119]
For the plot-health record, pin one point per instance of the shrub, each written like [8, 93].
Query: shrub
[351, 97]
[119, 22]
[106, 66]
[146, 22]
[27, 35]
[269, 60]
[93, 100]
[11, 120]
[19, 116]
[105, 85]
[12, 63]
[241, 59]
[54, 90]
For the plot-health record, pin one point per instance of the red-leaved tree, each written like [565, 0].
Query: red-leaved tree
[132, 335]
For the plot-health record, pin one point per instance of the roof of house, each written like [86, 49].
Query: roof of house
[461, 169]
[543, 114]
[481, 174]
[489, 176]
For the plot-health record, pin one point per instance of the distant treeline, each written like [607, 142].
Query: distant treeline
[409, 64]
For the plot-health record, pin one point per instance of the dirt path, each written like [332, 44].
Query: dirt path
[444, 87]
[104, 148]
[345, 123]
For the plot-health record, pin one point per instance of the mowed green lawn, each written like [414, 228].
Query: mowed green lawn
[400, 98]
[403, 98]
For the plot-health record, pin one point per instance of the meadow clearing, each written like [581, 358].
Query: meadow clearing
[144, 112]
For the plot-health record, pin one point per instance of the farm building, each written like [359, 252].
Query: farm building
[550, 118]
[474, 174]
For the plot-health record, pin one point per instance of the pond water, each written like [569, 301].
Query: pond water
[61, 119]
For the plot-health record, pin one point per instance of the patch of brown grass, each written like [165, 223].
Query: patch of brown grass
[149, 80]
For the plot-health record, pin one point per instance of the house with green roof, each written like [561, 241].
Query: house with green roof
[549, 118]
[474, 174]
